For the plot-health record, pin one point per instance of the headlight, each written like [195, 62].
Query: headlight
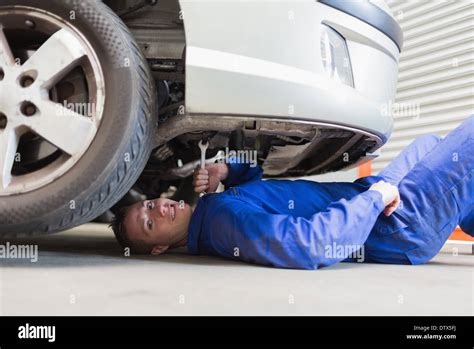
[335, 57]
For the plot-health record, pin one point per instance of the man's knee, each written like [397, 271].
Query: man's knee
[429, 140]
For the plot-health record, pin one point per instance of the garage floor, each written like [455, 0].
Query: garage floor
[82, 271]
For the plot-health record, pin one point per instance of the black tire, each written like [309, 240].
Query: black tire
[123, 142]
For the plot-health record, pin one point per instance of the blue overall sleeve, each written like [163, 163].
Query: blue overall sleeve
[242, 173]
[250, 233]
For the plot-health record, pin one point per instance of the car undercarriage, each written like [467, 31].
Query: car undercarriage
[105, 103]
[285, 148]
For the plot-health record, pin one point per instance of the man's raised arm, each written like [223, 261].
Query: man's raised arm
[230, 175]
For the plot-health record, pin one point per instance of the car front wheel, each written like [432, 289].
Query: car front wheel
[77, 113]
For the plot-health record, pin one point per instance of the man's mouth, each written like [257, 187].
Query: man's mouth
[172, 213]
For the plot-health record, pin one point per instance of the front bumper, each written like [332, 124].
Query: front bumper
[262, 58]
[372, 14]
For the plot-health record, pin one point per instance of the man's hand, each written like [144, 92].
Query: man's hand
[208, 179]
[390, 196]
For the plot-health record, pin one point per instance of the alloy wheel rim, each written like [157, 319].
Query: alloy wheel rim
[29, 104]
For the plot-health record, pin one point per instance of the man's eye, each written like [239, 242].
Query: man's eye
[149, 205]
[149, 224]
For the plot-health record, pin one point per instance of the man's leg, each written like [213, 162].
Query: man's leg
[435, 195]
[402, 164]
[467, 220]
[438, 191]
[408, 158]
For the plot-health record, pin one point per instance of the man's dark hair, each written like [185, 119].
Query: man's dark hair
[120, 232]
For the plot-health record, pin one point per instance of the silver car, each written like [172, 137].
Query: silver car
[104, 103]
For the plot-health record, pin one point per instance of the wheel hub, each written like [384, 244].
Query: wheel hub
[26, 105]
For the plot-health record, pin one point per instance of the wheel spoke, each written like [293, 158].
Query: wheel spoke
[9, 139]
[55, 58]
[6, 56]
[62, 127]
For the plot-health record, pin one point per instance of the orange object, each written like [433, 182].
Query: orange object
[458, 234]
[365, 170]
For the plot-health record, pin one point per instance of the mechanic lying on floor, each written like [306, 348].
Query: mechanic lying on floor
[302, 224]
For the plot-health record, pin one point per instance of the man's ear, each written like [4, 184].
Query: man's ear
[159, 249]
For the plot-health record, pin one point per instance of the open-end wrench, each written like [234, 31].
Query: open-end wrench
[203, 147]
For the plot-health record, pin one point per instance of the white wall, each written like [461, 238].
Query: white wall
[436, 78]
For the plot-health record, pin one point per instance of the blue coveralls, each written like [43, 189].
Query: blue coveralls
[290, 224]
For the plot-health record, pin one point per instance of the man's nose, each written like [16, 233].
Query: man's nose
[162, 210]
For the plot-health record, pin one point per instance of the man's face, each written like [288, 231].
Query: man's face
[158, 222]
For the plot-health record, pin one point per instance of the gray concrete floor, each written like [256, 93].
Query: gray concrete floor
[82, 272]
